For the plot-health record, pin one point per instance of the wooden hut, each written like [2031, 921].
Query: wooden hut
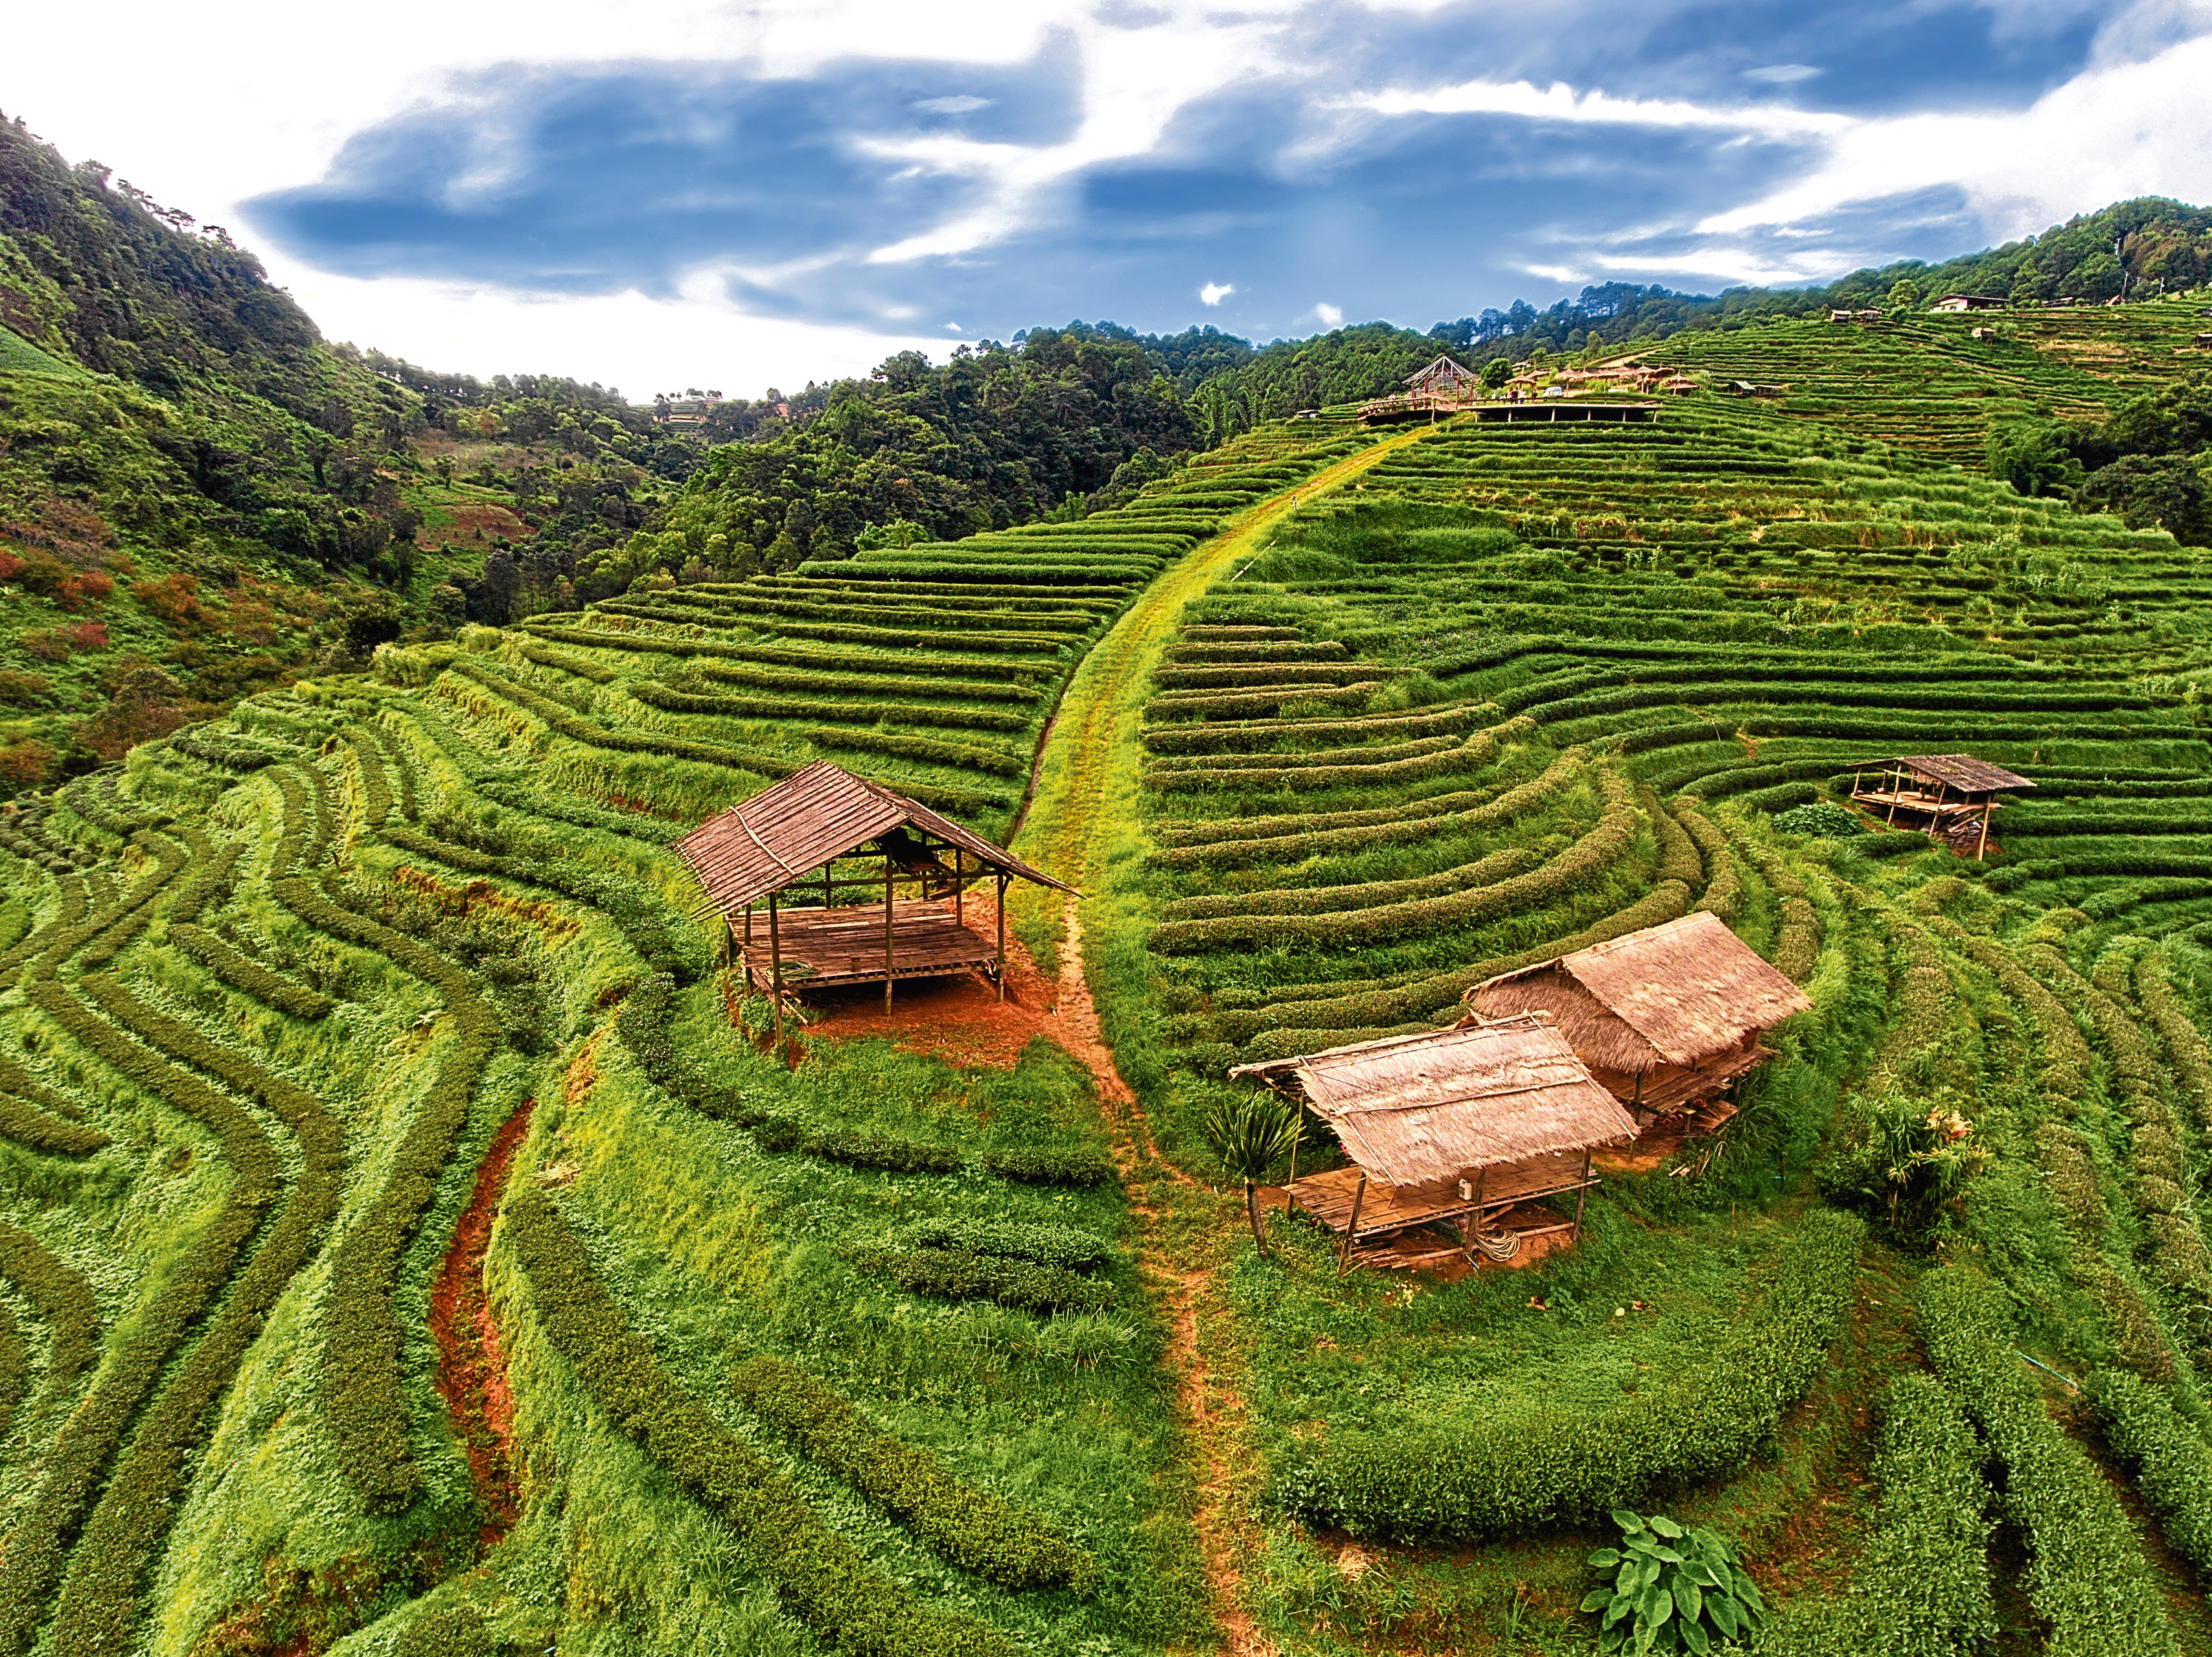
[1952, 796]
[1667, 1019]
[785, 844]
[1458, 1128]
[1970, 302]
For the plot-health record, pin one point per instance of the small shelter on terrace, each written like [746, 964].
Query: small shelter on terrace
[1452, 1127]
[1445, 377]
[1953, 796]
[785, 844]
[1667, 1019]
[1970, 302]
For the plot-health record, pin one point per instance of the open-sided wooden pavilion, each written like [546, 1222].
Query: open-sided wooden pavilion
[1667, 1019]
[1453, 1127]
[785, 845]
[1943, 793]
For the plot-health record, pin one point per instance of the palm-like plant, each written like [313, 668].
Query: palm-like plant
[1249, 1135]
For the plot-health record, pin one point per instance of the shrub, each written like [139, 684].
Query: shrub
[32, 1115]
[1492, 1477]
[966, 1274]
[971, 1528]
[2171, 1466]
[1904, 1158]
[817, 1575]
[2086, 1577]
[241, 972]
[1820, 820]
[1050, 1168]
[1671, 1589]
[1061, 1246]
[63, 1300]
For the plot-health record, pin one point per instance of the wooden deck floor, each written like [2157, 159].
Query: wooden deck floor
[846, 945]
[1388, 1210]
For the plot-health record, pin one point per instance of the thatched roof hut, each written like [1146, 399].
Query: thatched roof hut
[1664, 1017]
[790, 839]
[1450, 1125]
[1440, 1103]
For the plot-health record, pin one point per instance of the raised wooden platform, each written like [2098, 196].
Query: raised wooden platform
[1387, 1211]
[846, 946]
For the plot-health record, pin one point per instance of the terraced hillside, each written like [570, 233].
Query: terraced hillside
[1927, 385]
[1524, 688]
[410, 1243]
[275, 994]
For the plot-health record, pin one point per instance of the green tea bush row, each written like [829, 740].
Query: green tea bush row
[1222, 652]
[225, 750]
[1200, 706]
[361, 1394]
[2171, 1466]
[817, 1576]
[564, 661]
[61, 1518]
[1679, 859]
[33, 1115]
[2086, 1577]
[642, 1024]
[1050, 1168]
[1313, 761]
[402, 766]
[1037, 642]
[1255, 735]
[1338, 900]
[65, 1303]
[242, 972]
[1066, 1247]
[969, 1526]
[920, 688]
[1723, 884]
[643, 923]
[1449, 761]
[101, 1599]
[934, 751]
[1493, 1477]
[2185, 1046]
[1242, 675]
[778, 655]
[1420, 999]
[566, 724]
[1586, 861]
[965, 1274]
[515, 790]
[737, 608]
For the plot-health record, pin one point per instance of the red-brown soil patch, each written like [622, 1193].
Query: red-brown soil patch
[474, 524]
[471, 1362]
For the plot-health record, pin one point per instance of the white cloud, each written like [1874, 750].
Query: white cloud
[962, 105]
[2111, 133]
[1561, 102]
[1329, 316]
[1781, 74]
[1214, 292]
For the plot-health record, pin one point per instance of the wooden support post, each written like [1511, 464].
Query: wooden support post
[1581, 1193]
[1002, 934]
[959, 884]
[890, 960]
[1896, 793]
[1989, 811]
[748, 923]
[776, 971]
[1351, 1227]
[825, 883]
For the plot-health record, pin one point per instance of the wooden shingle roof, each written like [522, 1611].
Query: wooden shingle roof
[1431, 1106]
[812, 816]
[1675, 994]
[1961, 771]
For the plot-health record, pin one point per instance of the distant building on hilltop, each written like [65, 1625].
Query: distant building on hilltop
[1969, 303]
[1444, 378]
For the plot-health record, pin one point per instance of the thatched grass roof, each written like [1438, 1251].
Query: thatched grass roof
[1441, 1103]
[816, 815]
[1677, 994]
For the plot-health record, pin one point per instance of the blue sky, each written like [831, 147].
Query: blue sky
[731, 195]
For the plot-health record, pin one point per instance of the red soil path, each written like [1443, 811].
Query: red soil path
[472, 1363]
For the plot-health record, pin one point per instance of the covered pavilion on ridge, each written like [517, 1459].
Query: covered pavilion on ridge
[1953, 796]
[785, 843]
[1454, 1127]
